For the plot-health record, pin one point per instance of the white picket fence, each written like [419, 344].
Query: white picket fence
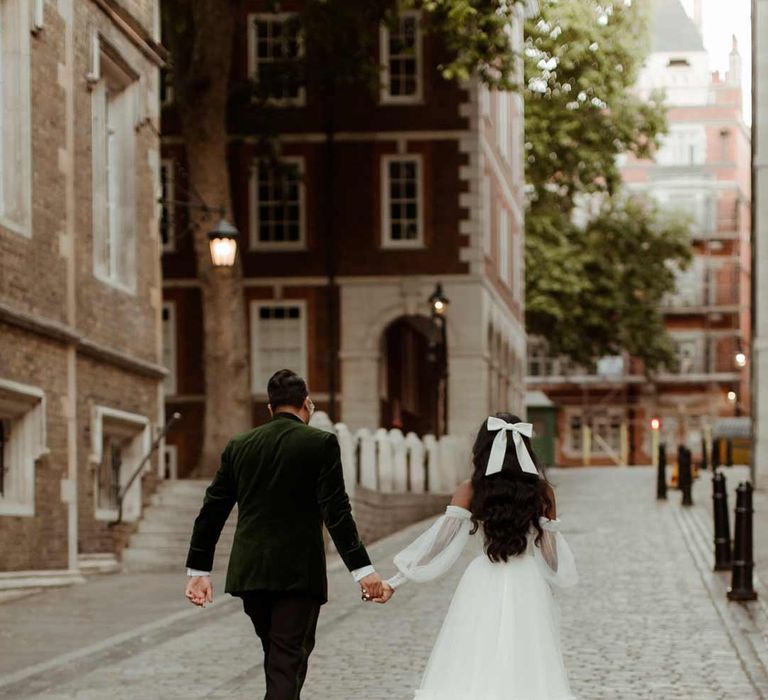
[390, 462]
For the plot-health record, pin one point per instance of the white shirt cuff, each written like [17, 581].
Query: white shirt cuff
[360, 574]
[196, 572]
[397, 580]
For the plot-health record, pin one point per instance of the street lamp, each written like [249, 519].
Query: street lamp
[732, 396]
[438, 303]
[740, 359]
[223, 243]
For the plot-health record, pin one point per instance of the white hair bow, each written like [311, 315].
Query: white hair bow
[499, 447]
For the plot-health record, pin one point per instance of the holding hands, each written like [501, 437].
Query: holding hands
[375, 590]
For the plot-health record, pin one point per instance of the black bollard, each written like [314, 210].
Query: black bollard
[685, 478]
[741, 571]
[722, 526]
[704, 459]
[729, 453]
[715, 453]
[661, 479]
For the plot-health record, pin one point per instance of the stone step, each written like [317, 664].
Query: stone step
[182, 516]
[155, 527]
[173, 499]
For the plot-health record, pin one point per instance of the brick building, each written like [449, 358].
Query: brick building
[80, 296]
[703, 171]
[428, 188]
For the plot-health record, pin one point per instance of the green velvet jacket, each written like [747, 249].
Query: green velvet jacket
[287, 480]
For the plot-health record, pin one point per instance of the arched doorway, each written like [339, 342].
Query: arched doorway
[413, 377]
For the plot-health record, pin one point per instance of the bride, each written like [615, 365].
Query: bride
[500, 639]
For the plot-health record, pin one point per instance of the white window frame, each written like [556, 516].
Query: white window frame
[21, 131]
[114, 219]
[384, 95]
[256, 306]
[25, 407]
[386, 224]
[257, 244]
[253, 64]
[503, 239]
[133, 427]
[171, 379]
[169, 164]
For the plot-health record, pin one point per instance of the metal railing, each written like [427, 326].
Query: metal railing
[121, 494]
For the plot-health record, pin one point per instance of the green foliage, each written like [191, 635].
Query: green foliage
[597, 290]
[594, 289]
[476, 35]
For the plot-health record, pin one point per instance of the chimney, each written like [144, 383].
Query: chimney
[734, 64]
[698, 14]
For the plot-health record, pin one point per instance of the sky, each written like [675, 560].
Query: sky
[722, 19]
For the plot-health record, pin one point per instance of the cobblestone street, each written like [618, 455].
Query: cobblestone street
[648, 620]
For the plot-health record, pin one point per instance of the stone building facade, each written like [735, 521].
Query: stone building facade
[760, 232]
[702, 170]
[80, 288]
[428, 189]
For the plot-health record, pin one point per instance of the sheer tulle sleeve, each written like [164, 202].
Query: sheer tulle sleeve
[554, 556]
[434, 552]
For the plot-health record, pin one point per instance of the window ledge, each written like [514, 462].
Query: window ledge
[19, 229]
[24, 510]
[114, 284]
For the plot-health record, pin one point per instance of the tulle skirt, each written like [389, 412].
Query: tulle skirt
[500, 639]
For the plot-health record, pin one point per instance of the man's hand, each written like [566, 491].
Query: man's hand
[372, 587]
[386, 594]
[199, 590]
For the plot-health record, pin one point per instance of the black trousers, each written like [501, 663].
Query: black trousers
[286, 624]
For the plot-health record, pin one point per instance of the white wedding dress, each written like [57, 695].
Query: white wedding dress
[501, 638]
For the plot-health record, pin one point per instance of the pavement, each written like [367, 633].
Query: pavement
[649, 618]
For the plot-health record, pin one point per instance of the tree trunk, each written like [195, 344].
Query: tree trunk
[203, 66]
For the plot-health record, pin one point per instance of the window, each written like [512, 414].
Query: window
[401, 60]
[690, 354]
[503, 124]
[168, 211]
[108, 475]
[690, 286]
[278, 340]
[683, 145]
[402, 224]
[274, 47]
[605, 431]
[169, 346]
[114, 171]
[277, 197]
[22, 443]
[575, 433]
[15, 143]
[518, 267]
[120, 441]
[504, 257]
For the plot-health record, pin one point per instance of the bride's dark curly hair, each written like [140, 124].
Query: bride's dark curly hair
[507, 504]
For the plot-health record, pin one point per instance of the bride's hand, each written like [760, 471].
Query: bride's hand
[386, 595]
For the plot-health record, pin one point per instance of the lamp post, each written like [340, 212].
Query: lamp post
[438, 304]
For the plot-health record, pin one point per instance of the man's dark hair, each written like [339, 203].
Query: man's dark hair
[286, 388]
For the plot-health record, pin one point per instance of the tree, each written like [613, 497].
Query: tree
[339, 36]
[594, 289]
[199, 36]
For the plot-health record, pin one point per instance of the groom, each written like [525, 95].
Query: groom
[287, 480]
